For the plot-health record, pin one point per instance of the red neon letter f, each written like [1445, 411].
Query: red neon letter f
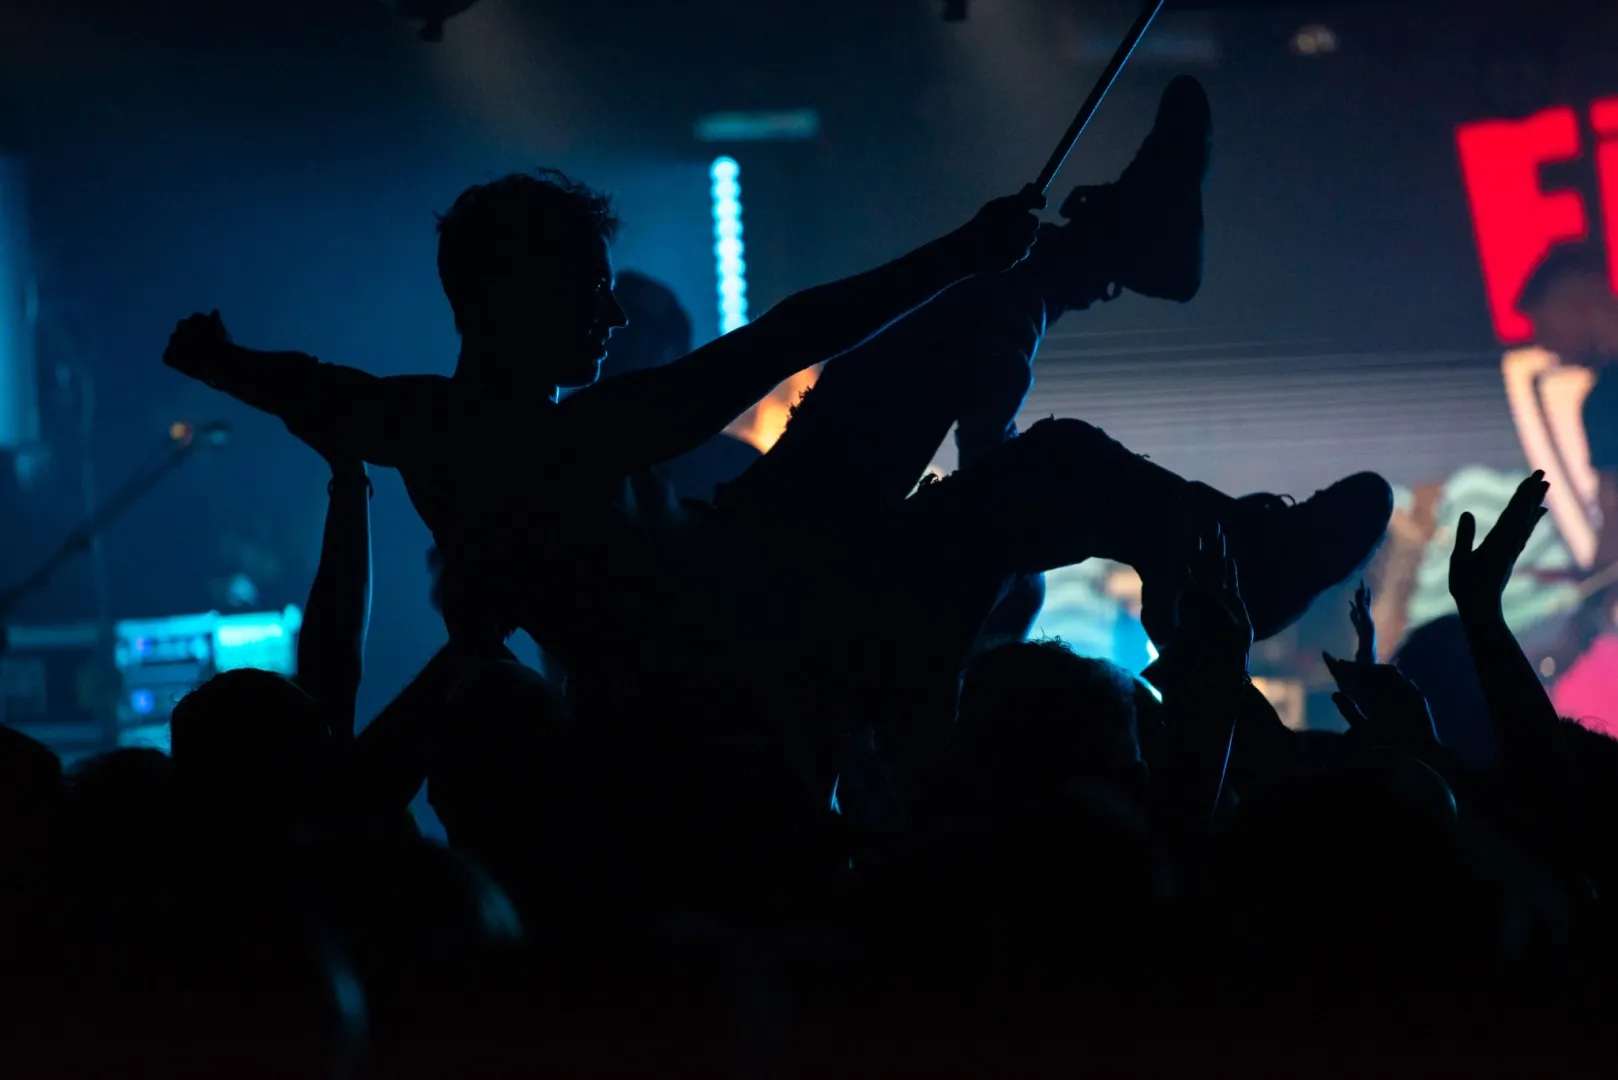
[1516, 223]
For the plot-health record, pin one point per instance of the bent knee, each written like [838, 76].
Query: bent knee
[1067, 435]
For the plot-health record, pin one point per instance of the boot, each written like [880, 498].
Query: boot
[1144, 231]
[1132, 510]
[1287, 552]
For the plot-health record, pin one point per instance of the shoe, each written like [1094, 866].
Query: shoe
[1287, 553]
[1147, 224]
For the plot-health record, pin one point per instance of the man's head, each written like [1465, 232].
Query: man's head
[524, 263]
[1044, 713]
[1571, 303]
[659, 329]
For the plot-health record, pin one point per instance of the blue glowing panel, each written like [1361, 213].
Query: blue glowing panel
[145, 737]
[267, 642]
[758, 126]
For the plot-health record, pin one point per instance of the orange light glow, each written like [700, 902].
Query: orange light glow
[763, 424]
[180, 431]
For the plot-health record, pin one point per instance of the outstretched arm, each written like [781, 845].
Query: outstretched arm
[1204, 672]
[331, 645]
[1526, 725]
[647, 417]
[347, 413]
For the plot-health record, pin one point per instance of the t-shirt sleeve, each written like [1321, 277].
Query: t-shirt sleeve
[1601, 424]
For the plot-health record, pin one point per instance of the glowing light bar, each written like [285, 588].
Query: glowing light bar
[758, 126]
[241, 636]
[730, 268]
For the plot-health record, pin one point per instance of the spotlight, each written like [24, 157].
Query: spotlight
[431, 13]
[1313, 40]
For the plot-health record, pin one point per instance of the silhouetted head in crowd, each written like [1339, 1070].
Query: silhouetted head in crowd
[250, 744]
[122, 800]
[30, 788]
[659, 329]
[1037, 713]
[1595, 762]
[499, 774]
[1570, 300]
[524, 262]
[1438, 659]
[214, 969]
[466, 617]
[1325, 869]
[421, 924]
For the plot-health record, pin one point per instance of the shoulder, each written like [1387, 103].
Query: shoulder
[1602, 400]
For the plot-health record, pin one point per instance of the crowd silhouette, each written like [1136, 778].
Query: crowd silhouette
[798, 797]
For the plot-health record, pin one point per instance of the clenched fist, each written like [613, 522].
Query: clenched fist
[199, 347]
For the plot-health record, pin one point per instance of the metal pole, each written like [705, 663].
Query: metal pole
[1108, 76]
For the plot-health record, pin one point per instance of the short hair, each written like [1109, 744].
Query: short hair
[1564, 261]
[246, 715]
[1040, 699]
[494, 229]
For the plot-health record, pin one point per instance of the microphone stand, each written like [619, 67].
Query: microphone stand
[1109, 75]
[80, 539]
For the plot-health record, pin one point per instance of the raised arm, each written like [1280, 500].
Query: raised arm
[1204, 677]
[331, 646]
[350, 413]
[1526, 725]
[392, 754]
[641, 419]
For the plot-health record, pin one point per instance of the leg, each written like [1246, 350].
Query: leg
[867, 431]
[1061, 493]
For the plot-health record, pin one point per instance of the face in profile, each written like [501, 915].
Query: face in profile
[565, 318]
[1565, 321]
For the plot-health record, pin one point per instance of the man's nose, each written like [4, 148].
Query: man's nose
[616, 316]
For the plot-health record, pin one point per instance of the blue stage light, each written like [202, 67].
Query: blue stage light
[730, 269]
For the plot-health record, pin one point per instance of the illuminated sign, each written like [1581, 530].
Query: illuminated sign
[1516, 221]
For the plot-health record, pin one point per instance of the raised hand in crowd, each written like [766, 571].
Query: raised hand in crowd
[1203, 675]
[1359, 613]
[1478, 574]
[1381, 705]
[1533, 755]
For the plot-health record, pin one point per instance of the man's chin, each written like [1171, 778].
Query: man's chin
[584, 374]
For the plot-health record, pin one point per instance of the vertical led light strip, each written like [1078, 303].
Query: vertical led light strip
[730, 268]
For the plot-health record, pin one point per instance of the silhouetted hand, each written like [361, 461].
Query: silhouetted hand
[1215, 634]
[1477, 577]
[1379, 703]
[1001, 234]
[1359, 613]
[198, 347]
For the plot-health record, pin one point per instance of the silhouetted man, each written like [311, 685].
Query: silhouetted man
[553, 504]
[548, 508]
